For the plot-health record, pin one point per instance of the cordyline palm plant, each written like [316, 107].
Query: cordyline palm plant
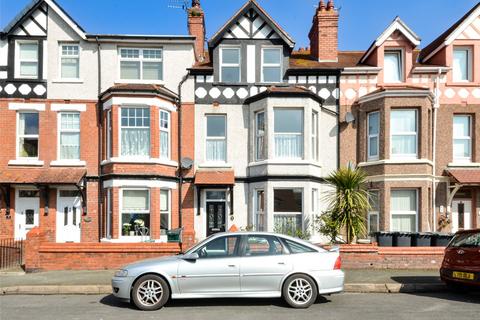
[348, 201]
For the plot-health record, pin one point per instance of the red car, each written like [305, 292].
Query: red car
[461, 264]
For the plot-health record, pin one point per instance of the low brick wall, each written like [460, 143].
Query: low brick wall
[373, 257]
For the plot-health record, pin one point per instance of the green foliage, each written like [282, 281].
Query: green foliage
[326, 225]
[290, 228]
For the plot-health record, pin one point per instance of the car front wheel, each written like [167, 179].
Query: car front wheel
[300, 291]
[150, 292]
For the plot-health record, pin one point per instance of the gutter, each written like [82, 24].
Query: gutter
[100, 138]
[436, 106]
[361, 70]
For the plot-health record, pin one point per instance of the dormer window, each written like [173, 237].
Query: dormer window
[271, 65]
[462, 64]
[393, 66]
[27, 59]
[230, 65]
[141, 64]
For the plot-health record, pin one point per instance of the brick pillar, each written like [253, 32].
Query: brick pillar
[34, 238]
[196, 27]
[323, 34]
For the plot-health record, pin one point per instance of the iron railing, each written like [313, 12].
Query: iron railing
[11, 253]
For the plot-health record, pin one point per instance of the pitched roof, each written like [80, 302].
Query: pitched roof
[465, 176]
[285, 91]
[42, 176]
[442, 40]
[149, 89]
[214, 177]
[251, 4]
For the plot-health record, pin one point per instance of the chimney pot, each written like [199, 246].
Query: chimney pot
[330, 5]
[321, 5]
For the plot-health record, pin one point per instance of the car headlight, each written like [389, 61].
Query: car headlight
[121, 273]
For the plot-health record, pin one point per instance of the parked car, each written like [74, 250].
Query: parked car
[240, 265]
[461, 264]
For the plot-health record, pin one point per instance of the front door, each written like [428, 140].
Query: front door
[27, 205]
[216, 220]
[68, 216]
[461, 214]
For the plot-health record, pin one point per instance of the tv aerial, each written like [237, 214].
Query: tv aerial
[178, 4]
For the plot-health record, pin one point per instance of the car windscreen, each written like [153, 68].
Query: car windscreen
[466, 240]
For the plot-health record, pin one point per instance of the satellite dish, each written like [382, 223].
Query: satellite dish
[349, 118]
[186, 163]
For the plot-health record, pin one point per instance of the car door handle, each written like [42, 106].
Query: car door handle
[281, 262]
[231, 266]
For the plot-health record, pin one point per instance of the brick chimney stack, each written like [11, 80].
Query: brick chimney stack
[324, 32]
[196, 27]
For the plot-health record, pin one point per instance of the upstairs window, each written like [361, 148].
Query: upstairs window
[141, 64]
[69, 136]
[27, 137]
[403, 129]
[164, 134]
[260, 135]
[373, 130]
[271, 65]
[462, 64]
[135, 132]
[288, 133]
[216, 143]
[230, 65]
[27, 66]
[462, 138]
[70, 61]
[393, 66]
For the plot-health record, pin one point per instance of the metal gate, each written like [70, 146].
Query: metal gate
[11, 253]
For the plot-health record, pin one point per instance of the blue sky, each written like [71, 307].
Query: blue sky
[361, 21]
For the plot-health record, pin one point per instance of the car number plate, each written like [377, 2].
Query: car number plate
[463, 275]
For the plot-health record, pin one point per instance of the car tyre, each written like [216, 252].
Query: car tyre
[150, 292]
[299, 291]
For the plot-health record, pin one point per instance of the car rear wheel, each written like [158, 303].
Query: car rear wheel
[300, 291]
[150, 292]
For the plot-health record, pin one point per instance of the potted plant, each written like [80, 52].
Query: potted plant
[126, 229]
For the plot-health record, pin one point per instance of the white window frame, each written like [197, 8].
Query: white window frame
[140, 157]
[399, 53]
[61, 56]
[370, 135]
[315, 143]
[18, 61]
[469, 64]
[314, 201]
[121, 212]
[19, 136]
[167, 131]
[258, 212]
[258, 136]
[109, 212]
[279, 64]
[469, 138]
[109, 134]
[404, 156]
[140, 59]
[290, 213]
[239, 65]
[373, 212]
[409, 213]
[168, 211]
[302, 156]
[60, 131]
[207, 138]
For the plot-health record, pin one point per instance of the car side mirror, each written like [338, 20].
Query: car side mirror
[191, 256]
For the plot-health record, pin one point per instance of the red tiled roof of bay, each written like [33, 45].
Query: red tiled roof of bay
[215, 177]
[465, 176]
[140, 88]
[41, 176]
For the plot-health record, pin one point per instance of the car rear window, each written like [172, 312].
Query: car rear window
[466, 240]
[296, 247]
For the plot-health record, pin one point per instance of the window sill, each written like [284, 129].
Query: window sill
[215, 165]
[284, 162]
[127, 81]
[166, 162]
[26, 162]
[67, 81]
[463, 164]
[463, 84]
[395, 161]
[68, 163]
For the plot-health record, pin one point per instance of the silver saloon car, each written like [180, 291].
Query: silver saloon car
[240, 265]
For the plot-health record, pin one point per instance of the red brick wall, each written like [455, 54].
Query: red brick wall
[324, 35]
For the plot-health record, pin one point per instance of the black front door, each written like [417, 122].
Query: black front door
[215, 217]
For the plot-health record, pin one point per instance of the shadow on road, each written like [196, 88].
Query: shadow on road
[111, 301]
[466, 296]
[416, 279]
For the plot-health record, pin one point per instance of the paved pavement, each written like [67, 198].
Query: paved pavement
[347, 306]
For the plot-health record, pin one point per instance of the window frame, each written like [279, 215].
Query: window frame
[315, 141]
[60, 131]
[406, 133]
[222, 64]
[268, 238]
[258, 136]
[168, 211]
[61, 56]
[290, 213]
[140, 59]
[399, 52]
[469, 138]
[121, 212]
[369, 136]
[258, 211]
[469, 63]
[18, 61]
[108, 152]
[404, 213]
[30, 136]
[167, 131]
[237, 250]
[224, 138]
[120, 127]
[279, 64]
[372, 211]
[302, 134]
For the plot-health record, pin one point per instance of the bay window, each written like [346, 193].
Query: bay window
[271, 65]
[141, 64]
[373, 213]
[69, 136]
[403, 206]
[27, 135]
[69, 61]
[462, 64]
[165, 211]
[288, 208]
[288, 133]
[135, 212]
[462, 138]
[135, 132]
[216, 142]
[230, 65]
[372, 135]
[259, 222]
[393, 66]
[164, 134]
[27, 57]
[260, 135]
[403, 133]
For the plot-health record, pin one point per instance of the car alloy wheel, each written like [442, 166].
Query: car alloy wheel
[150, 292]
[299, 291]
